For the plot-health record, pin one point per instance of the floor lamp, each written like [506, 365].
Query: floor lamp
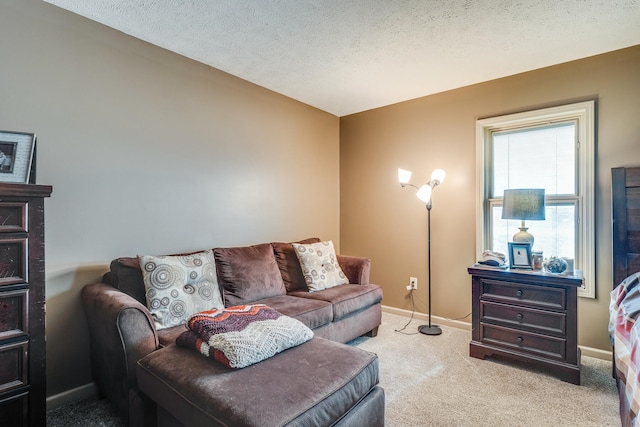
[424, 194]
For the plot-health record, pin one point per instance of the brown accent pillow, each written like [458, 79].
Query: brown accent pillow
[126, 276]
[248, 274]
[289, 264]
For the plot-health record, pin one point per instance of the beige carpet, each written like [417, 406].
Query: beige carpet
[432, 381]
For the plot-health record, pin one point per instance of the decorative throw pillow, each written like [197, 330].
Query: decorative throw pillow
[320, 265]
[179, 286]
[243, 335]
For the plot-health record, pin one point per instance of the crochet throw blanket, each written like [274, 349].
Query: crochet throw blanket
[243, 335]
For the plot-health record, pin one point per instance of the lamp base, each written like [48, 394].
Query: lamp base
[523, 236]
[430, 330]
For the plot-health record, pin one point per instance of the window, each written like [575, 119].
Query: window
[552, 149]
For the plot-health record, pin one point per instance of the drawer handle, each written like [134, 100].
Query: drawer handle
[519, 316]
[518, 293]
[519, 340]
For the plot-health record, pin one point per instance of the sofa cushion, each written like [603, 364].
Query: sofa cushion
[289, 264]
[243, 335]
[248, 273]
[168, 336]
[279, 391]
[346, 299]
[320, 265]
[179, 286]
[312, 312]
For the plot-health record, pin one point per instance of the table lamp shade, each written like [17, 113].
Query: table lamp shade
[523, 204]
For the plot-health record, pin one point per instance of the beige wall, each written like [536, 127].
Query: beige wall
[388, 224]
[149, 152]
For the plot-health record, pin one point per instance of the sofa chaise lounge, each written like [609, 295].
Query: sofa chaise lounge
[127, 349]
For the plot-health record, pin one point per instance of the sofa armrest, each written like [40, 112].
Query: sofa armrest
[121, 332]
[357, 269]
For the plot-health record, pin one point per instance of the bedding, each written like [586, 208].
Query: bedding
[625, 299]
[624, 331]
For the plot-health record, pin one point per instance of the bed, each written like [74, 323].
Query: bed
[625, 296]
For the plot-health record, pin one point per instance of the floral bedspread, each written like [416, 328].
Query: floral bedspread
[625, 334]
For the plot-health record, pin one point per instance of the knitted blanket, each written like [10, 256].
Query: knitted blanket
[242, 335]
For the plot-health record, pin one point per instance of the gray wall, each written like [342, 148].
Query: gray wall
[150, 153]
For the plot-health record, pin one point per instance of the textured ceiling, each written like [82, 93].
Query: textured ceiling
[347, 56]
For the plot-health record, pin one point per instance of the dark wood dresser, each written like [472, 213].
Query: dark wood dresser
[528, 316]
[22, 305]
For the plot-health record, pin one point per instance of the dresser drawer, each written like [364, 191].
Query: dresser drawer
[13, 365]
[13, 217]
[545, 346]
[13, 313]
[14, 410]
[515, 293]
[540, 321]
[13, 261]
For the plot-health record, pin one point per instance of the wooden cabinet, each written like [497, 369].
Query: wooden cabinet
[527, 316]
[22, 305]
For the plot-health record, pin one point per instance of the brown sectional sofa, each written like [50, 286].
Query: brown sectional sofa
[127, 350]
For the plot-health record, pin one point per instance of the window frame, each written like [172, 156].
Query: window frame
[584, 115]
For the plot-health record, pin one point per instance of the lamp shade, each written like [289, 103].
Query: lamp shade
[437, 176]
[523, 204]
[424, 193]
[404, 176]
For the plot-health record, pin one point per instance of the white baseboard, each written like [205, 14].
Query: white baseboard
[586, 351]
[73, 395]
[596, 353]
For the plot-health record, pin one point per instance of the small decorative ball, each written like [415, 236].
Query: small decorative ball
[555, 265]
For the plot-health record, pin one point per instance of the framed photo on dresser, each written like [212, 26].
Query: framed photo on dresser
[520, 256]
[16, 156]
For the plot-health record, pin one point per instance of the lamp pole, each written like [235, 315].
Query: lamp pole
[429, 329]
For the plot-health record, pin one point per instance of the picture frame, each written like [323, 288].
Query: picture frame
[520, 256]
[17, 150]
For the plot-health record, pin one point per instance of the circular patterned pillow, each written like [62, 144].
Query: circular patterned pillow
[319, 265]
[177, 287]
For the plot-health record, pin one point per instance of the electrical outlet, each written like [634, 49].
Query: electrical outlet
[413, 282]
